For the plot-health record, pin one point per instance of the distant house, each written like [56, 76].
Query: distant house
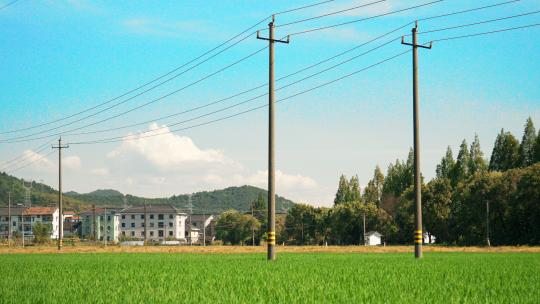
[427, 240]
[23, 218]
[373, 238]
[100, 223]
[164, 221]
[205, 225]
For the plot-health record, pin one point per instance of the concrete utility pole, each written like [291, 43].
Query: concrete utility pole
[417, 174]
[204, 229]
[105, 226]
[271, 156]
[9, 219]
[60, 207]
[487, 224]
[22, 225]
[364, 219]
[145, 224]
[94, 220]
[190, 206]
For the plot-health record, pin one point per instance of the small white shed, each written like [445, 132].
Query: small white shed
[426, 238]
[373, 238]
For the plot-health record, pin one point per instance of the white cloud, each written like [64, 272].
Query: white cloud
[283, 180]
[100, 171]
[38, 161]
[72, 162]
[167, 151]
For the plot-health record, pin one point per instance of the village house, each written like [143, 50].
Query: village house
[164, 222]
[373, 238]
[203, 226]
[23, 220]
[100, 223]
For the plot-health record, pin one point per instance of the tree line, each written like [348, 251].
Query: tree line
[454, 202]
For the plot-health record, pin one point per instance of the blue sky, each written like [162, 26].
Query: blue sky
[61, 57]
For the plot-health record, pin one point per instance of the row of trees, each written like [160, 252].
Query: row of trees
[454, 202]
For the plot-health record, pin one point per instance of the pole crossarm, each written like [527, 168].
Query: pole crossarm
[273, 40]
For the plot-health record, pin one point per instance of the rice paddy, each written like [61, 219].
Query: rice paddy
[441, 277]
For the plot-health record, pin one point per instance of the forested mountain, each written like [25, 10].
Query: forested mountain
[239, 198]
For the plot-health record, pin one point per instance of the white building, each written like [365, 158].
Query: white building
[164, 221]
[373, 238]
[101, 223]
[24, 219]
[202, 225]
[426, 238]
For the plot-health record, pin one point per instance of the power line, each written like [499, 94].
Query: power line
[153, 80]
[5, 163]
[487, 33]
[8, 4]
[304, 7]
[330, 14]
[477, 23]
[24, 157]
[25, 137]
[259, 96]
[243, 92]
[365, 19]
[468, 10]
[308, 90]
[249, 110]
[33, 161]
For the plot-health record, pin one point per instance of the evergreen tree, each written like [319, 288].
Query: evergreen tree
[477, 162]
[461, 169]
[343, 191]
[446, 167]
[354, 190]
[527, 146]
[505, 153]
[537, 148]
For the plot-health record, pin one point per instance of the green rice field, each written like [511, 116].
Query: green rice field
[249, 278]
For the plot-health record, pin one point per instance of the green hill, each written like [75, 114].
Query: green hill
[239, 198]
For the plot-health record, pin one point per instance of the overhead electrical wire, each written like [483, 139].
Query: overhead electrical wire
[24, 157]
[364, 19]
[153, 80]
[8, 4]
[468, 10]
[136, 137]
[303, 7]
[31, 162]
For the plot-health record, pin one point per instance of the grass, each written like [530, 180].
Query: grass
[441, 277]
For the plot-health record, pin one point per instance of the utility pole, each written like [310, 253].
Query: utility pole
[190, 206]
[364, 218]
[22, 225]
[60, 207]
[271, 156]
[416, 127]
[204, 229]
[252, 229]
[105, 226]
[145, 224]
[487, 224]
[9, 219]
[94, 220]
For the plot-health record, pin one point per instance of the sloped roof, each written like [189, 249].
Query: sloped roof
[152, 209]
[14, 210]
[40, 210]
[373, 233]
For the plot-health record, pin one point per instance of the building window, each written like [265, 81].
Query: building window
[170, 224]
[151, 233]
[123, 217]
[160, 225]
[142, 216]
[170, 233]
[160, 216]
[123, 233]
[151, 225]
[194, 224]
[108, 218]
[14, 224]
[108, 228]
[142, 225]
[132, 233]
[132, 225]
[160, 233]
[142, 233]
[101, 217]
[133, 216]
[151, 216]
[170, 216]
[123, 225]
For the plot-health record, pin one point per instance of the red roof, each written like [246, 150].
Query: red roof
[40, 210]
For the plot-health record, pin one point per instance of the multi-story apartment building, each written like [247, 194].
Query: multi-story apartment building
[164, 222]
[100, 223]
[23, 220]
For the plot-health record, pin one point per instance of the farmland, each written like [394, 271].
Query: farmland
[327, 277]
